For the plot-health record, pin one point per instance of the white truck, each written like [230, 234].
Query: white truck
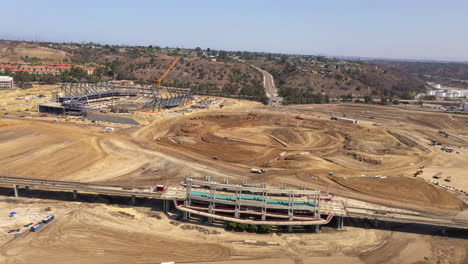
[259, 171]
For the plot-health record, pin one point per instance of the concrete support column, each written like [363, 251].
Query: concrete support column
[133, 200]
[165, 205]
[340, 221]
[290, 228]
[26, 188]
[186, 215]
[186, 205]
[317, 228]
[15, 190]
[75, 195]
[237, 209]
[236, 213]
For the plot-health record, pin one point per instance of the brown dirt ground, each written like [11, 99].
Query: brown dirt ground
[98, 233]
[295, 148]
[243, 135]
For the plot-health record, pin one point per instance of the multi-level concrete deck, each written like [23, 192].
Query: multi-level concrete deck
[327, 209]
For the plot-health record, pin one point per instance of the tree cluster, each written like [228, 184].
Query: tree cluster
[302, 96]
[240, 227]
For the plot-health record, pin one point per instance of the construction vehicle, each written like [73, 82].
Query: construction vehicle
[448, 179]
[418, 172]
[437, 175]
[446, 149]
[257, 171]
[107, 130]
[443, 133]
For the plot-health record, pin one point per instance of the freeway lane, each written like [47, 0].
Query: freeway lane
[80, 187]
[389, 214]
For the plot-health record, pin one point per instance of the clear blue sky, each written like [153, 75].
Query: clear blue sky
[412, 29]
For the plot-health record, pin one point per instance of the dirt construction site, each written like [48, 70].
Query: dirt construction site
[389, 158]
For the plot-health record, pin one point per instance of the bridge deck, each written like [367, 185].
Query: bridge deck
[178, 193]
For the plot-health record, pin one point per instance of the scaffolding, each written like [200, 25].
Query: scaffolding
[252, 202]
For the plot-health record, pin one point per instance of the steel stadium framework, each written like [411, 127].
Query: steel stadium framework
[79, 98]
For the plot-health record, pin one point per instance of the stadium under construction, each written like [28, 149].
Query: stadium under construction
[256, 204]
[82, 98]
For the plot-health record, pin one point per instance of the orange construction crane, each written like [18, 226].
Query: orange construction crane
[158, 80]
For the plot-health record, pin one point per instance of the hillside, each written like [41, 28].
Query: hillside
[214, 76]
[449, 74]
[25, 52]
[298, 79]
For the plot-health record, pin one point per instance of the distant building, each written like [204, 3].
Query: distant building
[6, 82]
[465, 107]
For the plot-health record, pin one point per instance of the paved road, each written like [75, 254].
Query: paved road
[105, 189]
[385, 214]
[270, 88]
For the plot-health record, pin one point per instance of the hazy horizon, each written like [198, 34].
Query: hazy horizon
[419, 30]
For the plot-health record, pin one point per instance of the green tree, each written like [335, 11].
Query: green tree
[241, 227]
[265, 229]
[368, 99]
[252, 228]
[101, 71]
[222, 55]
[77, 73]
[22, 78]
[48, 78]
[383, 100]
[231, 226]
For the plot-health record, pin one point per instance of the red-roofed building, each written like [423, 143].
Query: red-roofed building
[43, 68]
